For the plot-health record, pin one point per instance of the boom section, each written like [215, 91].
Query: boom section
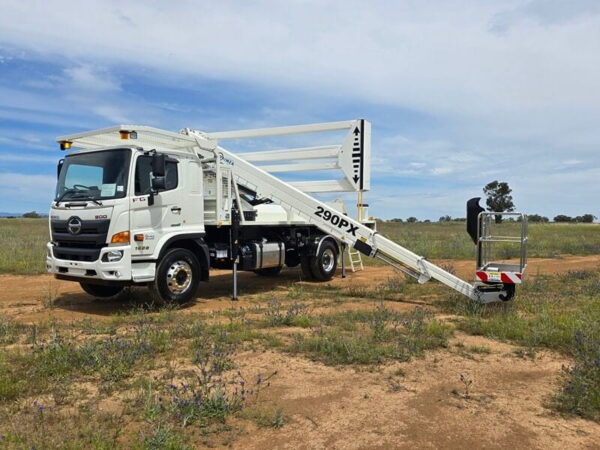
[342, 227]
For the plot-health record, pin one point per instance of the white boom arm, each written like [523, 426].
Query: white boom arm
[343, 228]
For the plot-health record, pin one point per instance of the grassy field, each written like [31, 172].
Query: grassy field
[22, 241]
[450, 240]
[23, 245]
[173, 378]
[195, 392]
[162, 377]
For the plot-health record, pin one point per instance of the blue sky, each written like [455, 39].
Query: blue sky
[459, 92]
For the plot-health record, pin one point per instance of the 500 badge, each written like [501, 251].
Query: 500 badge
[336, 220]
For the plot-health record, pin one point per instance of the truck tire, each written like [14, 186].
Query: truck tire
[305, 266]
[101, 290]
[324, 264]
[269, 271]
[177, 276]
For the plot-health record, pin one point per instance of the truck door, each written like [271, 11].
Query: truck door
[165, 215]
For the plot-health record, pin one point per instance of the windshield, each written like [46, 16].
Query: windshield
[94, 175]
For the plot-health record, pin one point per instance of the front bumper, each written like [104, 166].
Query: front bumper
[118, 271]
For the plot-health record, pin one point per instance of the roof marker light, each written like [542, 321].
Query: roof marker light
[127, 134]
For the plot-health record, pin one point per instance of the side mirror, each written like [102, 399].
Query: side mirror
[59, 167]
[159, 183]
[159, 165]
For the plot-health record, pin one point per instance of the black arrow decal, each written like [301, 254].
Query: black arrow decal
[355, 178]
[356, 131]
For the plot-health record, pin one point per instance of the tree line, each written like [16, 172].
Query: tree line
[499, 199]
[532, 218]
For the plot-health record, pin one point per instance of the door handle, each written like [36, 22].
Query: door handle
[176, 209]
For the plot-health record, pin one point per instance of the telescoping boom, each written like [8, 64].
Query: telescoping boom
[352, 158]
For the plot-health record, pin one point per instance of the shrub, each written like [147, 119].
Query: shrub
[580, 391]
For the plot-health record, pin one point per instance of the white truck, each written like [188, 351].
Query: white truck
[137, 205]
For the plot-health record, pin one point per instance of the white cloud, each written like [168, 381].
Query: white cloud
[544, 12]
[436, 56]
[29, 159]
[510, 89]
[89, 78]
[442, 170]
[20, 191]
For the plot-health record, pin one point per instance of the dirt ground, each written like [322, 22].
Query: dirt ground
[22, 297]
[358, 408]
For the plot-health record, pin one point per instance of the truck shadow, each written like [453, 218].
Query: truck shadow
[219, 288]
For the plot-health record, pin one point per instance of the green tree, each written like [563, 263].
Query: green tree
[536, 218]
[563, 218]
[31, 215]
[412, 220]
[498, 198]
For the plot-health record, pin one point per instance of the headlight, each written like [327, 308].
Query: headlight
[113, 256]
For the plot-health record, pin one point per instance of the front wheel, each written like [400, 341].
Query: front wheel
[177, 276]
[324, 264]
[101, 290]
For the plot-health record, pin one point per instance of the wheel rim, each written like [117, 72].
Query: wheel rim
[179, 277]
[327, 260]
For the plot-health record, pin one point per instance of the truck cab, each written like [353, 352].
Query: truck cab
[115, 208]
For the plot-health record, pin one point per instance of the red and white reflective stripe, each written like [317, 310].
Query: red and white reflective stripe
[510, 277]
[505, 277]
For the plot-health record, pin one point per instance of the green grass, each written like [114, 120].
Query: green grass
[43, 367]
[48, 361]
[580, 391]
[59, 360]
[294, 315]
[23, 245]
[265, 417]
[23, 242]
[371, 337]
[451, 241]
[559, 312]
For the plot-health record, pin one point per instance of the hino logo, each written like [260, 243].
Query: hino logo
[74, 225]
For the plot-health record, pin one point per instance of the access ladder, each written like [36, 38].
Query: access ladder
[355, 259]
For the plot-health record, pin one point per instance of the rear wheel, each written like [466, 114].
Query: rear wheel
[324, 264]
[101, 290]
[177, 276]
[269, 271]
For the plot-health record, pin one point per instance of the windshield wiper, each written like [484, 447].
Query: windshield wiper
[88, 198]
[63, 195]
[73, 191]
